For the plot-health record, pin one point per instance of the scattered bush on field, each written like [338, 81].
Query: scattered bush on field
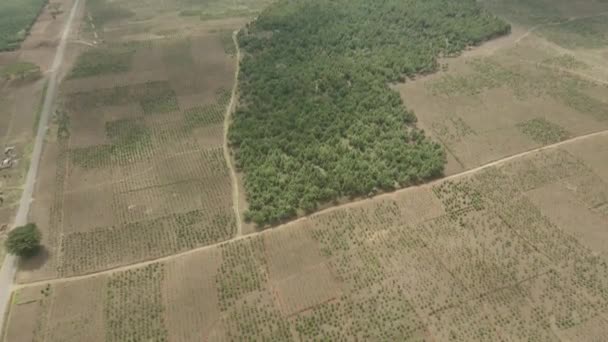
[528, 12]
[158, 97]
[583, 103]
[23, 241]
[257, 319]
[241, 271]
[586, 33]
[543, 131]
[134, 308]
[317, 119]
[130, 139]
[153, 97]
[210, 114]
[104, 60]
[542, 80]
[458, 195]
[22, 71]
[227, 42]
[178, 53]
[565, 61]
[16, 19]
[452, 129]
[379, 313]
[105, 11]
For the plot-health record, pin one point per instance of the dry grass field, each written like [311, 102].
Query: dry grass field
[512, 252]
[133, 167]
[135, 196]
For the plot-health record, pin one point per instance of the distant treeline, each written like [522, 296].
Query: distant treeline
[317, 119]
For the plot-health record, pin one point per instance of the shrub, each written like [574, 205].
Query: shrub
[24, 241]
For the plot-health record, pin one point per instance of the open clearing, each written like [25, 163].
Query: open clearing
[136, 194]
[494, 255]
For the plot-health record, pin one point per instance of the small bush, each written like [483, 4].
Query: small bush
[24, 241]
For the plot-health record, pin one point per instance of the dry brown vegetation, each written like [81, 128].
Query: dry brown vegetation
[133, 170]
[133, 167]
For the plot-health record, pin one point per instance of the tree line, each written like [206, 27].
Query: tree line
[317, 120]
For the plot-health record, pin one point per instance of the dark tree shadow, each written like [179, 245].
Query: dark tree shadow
[36, 261]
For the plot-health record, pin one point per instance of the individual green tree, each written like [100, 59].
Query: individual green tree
[24, 241]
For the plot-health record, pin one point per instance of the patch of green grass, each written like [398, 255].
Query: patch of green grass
[566, 61]
[583, 103]
[104, 60]
[452, 130]
[190, 13]
[525, 83]
[527, 12]
[210, 114]
[21, 71]
[39, 108]
[543, 131]
[590, 33]
[227, 42]
[16, 19]
[153, 97]
[130, 138]
[134, 305]
[104, 11]
[158, 97]
[178, 53]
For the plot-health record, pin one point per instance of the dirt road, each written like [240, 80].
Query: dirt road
[227, 120]
[9, 267]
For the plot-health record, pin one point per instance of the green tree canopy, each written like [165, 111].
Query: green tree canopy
[316, 118]
[24, 241]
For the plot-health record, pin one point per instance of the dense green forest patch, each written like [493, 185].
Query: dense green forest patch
[16, 19]
[317, 119]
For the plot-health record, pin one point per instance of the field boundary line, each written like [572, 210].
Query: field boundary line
[227, 121]
[286, 225]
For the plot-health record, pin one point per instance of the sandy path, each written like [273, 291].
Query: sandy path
[338, 207]
[9, 266]
[227, 120]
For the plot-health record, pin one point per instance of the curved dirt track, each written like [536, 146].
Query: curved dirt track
[227, 120]
[338, 207]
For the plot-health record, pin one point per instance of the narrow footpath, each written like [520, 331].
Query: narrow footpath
[227, 121]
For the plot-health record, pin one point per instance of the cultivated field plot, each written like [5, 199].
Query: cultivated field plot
[544, 83]
[495, 255]
[134, 167]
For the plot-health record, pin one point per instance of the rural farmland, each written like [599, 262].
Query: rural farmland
[274, 170]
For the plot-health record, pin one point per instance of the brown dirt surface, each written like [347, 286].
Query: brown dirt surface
[192, 313]
[78, 311]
